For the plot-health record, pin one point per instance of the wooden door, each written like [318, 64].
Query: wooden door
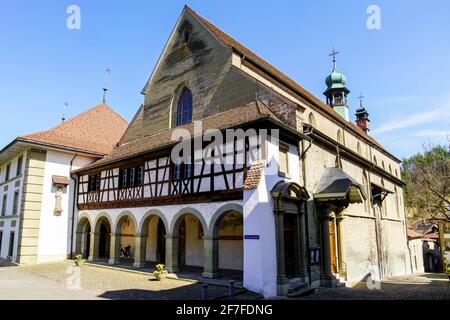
[289, 224]
[182, 244]
[332, 246]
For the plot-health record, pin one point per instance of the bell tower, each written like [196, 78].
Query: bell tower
[337, 91]
[362, 116]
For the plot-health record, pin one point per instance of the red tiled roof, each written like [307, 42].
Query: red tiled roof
[413, 234]
[229, 41]
[433, 235]
[96, 131]
[254, 175]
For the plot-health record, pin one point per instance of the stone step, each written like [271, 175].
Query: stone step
[301, 290]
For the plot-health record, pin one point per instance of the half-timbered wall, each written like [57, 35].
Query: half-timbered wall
[208, 182]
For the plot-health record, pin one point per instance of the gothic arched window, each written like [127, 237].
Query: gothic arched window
[312, 120]
[339, 136]
[184, 108]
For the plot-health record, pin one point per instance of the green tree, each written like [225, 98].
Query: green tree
[427, 178]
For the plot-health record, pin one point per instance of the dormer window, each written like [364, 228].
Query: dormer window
[184, 108]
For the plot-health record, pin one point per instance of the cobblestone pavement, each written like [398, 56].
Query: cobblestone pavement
[429, 286]
[116, 284]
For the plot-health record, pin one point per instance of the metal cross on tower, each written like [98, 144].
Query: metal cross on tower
[333, 54]
[360, 97]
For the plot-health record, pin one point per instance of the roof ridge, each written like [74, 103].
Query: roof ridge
[229, 41]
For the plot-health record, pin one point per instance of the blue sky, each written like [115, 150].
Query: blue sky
[403, 69]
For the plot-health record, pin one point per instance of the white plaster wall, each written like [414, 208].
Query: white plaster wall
[359, 248]
[54, 230]
[194, 245]
[128, 234]
[231, 252]
[416, 252]
[260, 256]
[6, 229]
[150, 253]
[15, 183]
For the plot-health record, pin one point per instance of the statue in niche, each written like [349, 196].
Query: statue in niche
[58, 201]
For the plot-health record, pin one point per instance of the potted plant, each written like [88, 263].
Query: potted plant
[79, 261]
[160, 273]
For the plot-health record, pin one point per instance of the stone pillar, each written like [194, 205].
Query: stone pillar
[341, 251]
[140, 244]
[302, 234]
[326, 277]
[282, 280]
[78, 244]
[210, 257]
[172, 253]
[93, 246]
[114, 249]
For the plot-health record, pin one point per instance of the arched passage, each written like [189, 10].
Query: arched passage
[151, 245]
[83, 240]
[102, 238]
[123, 239]
[228, 250]
[188, 245]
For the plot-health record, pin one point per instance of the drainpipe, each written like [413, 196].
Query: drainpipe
[75, 188]
[302, 156]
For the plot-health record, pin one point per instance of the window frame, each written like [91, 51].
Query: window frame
[94, 182]
[131, 177]
[283, 147]
[8, 172]
[4, 205]
[184, 106]
[15, 210]
[19, 166]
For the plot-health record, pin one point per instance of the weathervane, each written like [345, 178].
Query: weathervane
[105, 87]
[63, 118]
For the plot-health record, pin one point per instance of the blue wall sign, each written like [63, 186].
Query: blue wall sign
[251, 237]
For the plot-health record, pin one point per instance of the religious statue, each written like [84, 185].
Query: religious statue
[58, 202]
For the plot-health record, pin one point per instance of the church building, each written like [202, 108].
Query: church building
[301, 195]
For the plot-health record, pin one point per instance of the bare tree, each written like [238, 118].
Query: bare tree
[427, 178]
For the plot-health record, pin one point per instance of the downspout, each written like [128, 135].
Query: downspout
[75, 189]
[302, 156]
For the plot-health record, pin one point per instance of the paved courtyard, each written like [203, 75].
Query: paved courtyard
[60, 281]
[429, 286]
[57, 281]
